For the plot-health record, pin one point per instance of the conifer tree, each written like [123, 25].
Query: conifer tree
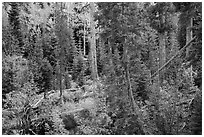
[93, 43]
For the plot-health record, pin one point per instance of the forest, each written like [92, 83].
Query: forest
[101, 68]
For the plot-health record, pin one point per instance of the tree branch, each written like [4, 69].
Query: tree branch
[180, 51]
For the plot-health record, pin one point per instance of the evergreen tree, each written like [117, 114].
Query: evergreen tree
[14, 20]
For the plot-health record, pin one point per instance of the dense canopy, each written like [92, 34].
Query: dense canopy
[102, 68]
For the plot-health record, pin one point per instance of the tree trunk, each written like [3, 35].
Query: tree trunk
[93, 44]
[176, 54]
[173, 36]
[60, 77]
[43, 42]
[110, 55]
[61, 43]
[189, 35]
[84, 47]
[135, 108]
[151, 61]
[162, 51]
[162, 55]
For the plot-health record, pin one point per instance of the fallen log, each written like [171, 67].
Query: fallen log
[177, 53]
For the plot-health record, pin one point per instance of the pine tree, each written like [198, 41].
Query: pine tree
[15, 23]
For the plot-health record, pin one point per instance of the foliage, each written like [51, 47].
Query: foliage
[18, 102]
[171, 105]
[14, 22]
[47, 87]
[191, 10]
[47, 72]
[196, 115]
[15, 73]
[8, 76]
[156, 13]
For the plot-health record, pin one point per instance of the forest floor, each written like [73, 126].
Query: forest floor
[75, 101]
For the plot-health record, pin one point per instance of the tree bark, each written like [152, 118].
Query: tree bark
[60, 33]
[84, 47]
[162, 55]
[60, 42]
[189, 35]
[162, 47]
[110, 55]
[43, 42]
[93, 44]
[151, 61]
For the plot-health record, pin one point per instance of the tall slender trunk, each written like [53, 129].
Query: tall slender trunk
[151, 61]
[43, 42]
[189, 35]
[60, 42]
[162, 50]
[110, 55]
[162, 55]
[126, 59]
[84, 46]
[173, 36]
[135, 108]
[93, 44]
[172, 43]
